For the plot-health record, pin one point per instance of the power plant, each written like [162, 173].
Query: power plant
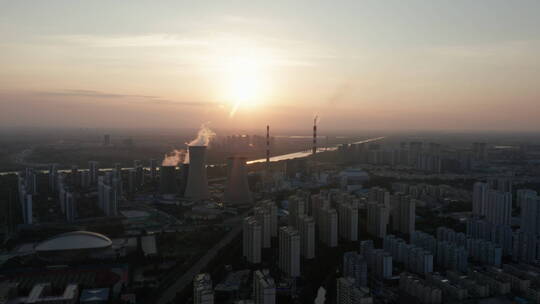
[197, 183]
[184, 174]
[167, 180]
[237, 190]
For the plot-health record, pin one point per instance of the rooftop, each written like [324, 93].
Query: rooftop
[74, 241]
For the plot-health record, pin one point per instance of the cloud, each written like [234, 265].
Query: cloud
[93, 94]
[179, 103]
[153, 40]
[205, 45]
[509, 51]
[140, 99]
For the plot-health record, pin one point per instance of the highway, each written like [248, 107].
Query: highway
[186, 279]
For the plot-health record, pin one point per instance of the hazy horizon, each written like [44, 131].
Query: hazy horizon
[360, 65]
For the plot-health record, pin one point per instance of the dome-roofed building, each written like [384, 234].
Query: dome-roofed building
[74, 245]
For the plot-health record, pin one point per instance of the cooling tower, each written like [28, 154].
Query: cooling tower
[237, 191]
[197, 183]
[184, 174]
[167, 180]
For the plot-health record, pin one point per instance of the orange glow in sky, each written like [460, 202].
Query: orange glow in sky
[458, 65]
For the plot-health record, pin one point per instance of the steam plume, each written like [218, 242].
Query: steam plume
[204, 136]
[177, 157]
[174, 158]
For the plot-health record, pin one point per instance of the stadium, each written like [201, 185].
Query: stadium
[76, 245]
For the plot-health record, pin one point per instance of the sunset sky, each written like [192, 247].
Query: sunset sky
[458, 65]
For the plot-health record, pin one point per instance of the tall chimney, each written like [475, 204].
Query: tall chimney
[197, 183]
[237, 191]
[267, 148]
[314, 149]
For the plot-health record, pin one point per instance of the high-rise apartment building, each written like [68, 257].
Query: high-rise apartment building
[499, 207]
[289, 251]
[480, 198]
[355, 266]
[93, 170]
[271, 209]
[53, 175]
[107, 197]
[530, 213]
[479, 151]
[503, 184]
[262, 215]
[377, 219]
[348, 293]
[71, 207]
[403, 213]
[307, 236]
[379, 195]
[252, 240]
[27, 204]
[153, 169]
[328, 228]
[297, 208]
[85, 179]
[414, 258]
[132, 180]
[315, 204]
[380, 263]
[264, 288]
[203, 292]
[522, 194]
[348, 220]
[525, 247]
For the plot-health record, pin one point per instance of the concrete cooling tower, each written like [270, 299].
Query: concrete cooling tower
[167, 180]
[197, 183]
[237, 191]
[184, 174]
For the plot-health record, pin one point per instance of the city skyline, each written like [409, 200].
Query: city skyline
[358, 64]
[263, 152]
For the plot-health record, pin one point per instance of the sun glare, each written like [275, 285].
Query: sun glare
[244, 82]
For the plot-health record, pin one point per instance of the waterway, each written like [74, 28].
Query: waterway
[272, 159]
[306, 153]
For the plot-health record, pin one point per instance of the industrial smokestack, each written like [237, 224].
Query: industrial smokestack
[167, 180]
[237, 191]
[197, 184]
[314, 149]
[267, 148]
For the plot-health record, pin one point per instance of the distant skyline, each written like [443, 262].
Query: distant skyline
[366, 65]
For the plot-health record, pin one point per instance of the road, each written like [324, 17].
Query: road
[186, 279]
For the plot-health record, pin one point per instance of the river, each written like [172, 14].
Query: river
[272, 159]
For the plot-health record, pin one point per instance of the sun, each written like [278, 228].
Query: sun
[244, 79]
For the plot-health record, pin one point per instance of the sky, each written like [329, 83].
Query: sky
[358, 65]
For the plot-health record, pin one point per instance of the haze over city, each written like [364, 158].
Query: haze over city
[392, 65]
[270, 152]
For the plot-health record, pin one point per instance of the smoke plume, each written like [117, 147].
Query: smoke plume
[204, 136]
[174, 158]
